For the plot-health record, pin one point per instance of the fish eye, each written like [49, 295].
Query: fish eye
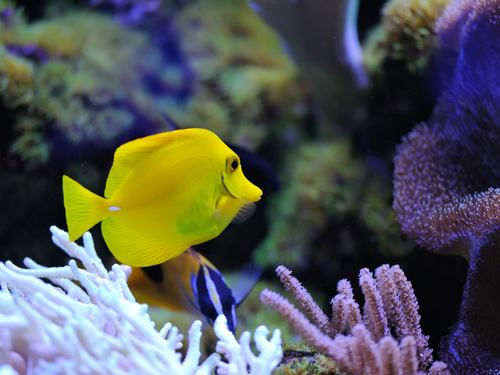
[233, 163]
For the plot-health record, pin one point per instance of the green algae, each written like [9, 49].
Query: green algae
[90, 69]
[326, 186]
[246, 85]
[407, 32]
[91, 83]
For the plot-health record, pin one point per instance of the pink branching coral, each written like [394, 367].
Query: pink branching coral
[447, 180]
[362, 343]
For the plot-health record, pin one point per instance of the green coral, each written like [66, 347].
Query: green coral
[407, 32]
[31, 146]
[326, 185]
[301, 359]
[246, 87]
[243, 74]
[9, 23]
[77, 89]
[17, 78]
[316, 364]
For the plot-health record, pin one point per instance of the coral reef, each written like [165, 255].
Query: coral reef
[59, 77]
[131, 12]
[447, 181]
[74, 85]
[305, 361]
[326, 186]
[407, 32]
[102, 330]
[63, 73]
[247, 89]
[363, 343]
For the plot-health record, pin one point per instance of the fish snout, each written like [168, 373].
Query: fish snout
[241, 188]
[250, 192]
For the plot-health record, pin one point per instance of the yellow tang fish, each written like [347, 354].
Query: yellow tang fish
[164, 193]
[191, 283]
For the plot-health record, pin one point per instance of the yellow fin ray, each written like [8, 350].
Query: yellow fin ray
[234, 210]
[129, 155]
[134, 250]
[84, 209]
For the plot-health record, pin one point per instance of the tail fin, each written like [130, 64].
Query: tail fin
[84, 209]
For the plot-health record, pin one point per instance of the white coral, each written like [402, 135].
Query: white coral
[240, 355]
[62, 329]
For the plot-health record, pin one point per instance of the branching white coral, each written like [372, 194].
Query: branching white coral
[240, 355]
[65, 329]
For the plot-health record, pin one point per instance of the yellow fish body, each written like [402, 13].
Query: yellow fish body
[191, 283]
[164, 193]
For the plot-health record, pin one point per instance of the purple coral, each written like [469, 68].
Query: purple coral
[448, 171]
[447, 180]
[7, 13]
[30, 51]
[131, 12]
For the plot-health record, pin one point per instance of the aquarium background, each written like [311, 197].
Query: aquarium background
[80, 78]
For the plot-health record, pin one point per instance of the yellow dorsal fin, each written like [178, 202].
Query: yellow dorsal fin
[234, 211]
[134, 250]
[128, 156]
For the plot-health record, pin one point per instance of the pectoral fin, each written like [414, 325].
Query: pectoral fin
[234, 211]
[244, 281]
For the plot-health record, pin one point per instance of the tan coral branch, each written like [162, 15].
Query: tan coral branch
[301, 295]
[346, 313]
[393, 308]
[298, 321]
[374, 314]
[410, 308]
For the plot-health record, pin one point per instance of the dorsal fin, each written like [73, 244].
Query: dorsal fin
[130, 155]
